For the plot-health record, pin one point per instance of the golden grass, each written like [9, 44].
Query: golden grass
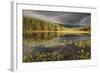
[67, 32]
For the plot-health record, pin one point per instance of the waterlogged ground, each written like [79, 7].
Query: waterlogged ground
[56, 47]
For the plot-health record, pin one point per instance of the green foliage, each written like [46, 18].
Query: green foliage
[27, 58]
[54, 56]
[83, 51]
[82, 54]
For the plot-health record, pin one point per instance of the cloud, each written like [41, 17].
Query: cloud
[86, 20]
[60, 17]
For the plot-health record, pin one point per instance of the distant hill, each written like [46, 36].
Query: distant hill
[32, 26]
[72, 26]
[85, 28]
[36, 24]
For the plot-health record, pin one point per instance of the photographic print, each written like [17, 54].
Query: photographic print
[55, 36]
[52, 36]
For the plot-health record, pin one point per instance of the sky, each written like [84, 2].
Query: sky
[65, 18]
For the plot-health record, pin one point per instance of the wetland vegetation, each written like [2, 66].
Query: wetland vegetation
[49, 41]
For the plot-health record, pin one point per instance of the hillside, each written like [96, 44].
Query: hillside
[33, 25]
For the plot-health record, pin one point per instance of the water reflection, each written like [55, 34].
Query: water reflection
[51, 35]
[54, 46]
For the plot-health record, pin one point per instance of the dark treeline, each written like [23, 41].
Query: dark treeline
[35, 24]
[32, 24]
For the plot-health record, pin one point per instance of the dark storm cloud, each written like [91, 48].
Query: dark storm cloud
[60, 17]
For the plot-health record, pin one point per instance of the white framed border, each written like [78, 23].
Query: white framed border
[16, 51]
